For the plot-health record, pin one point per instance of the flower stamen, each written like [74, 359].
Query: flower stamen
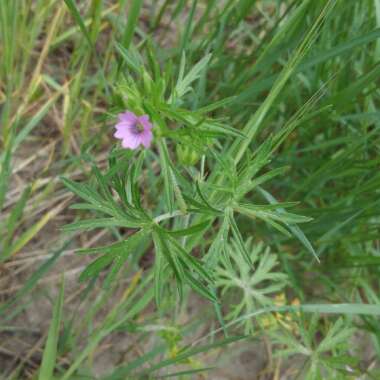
[138, 128]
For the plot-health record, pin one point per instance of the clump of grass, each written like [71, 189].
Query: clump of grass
[266, 139]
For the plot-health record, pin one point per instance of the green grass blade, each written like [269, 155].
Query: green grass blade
[79, 20]
[133, 16]
[238, 148]
[50, 352]
[32, 281]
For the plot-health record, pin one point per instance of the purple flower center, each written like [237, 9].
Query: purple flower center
[137, 128]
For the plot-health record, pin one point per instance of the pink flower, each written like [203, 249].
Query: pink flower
[134, 130]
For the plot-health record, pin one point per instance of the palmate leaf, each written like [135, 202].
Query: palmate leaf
[174, 182]
[218, 248]
[131, 58]
[252, 284]
[117, 254]
[177, 192]
[277, 215]
[105, 191]
[218, 104]
[128, 190]
[184, 81]
[162, 247]
[215, 129]
[169, 254]
[297, 232]
[335, 342]
[186, 268]
[201, 204]
[249, 185]
[204, 200]
[238, 238]
[168, 181]
[86, 192]
[189, 230]
[198, 125]
[90, 224]
[191, 263]
[260, 157]
[160, 272]
[96, 267]
[201, 208]
[102, 200]
[123, 216]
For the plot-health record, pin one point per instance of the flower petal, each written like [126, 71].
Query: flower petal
[122, 125]
[131, 143]
[144, 120]
[146, 138]
[128, 117]
[121, 131]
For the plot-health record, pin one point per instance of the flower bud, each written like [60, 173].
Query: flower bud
[186, 155]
